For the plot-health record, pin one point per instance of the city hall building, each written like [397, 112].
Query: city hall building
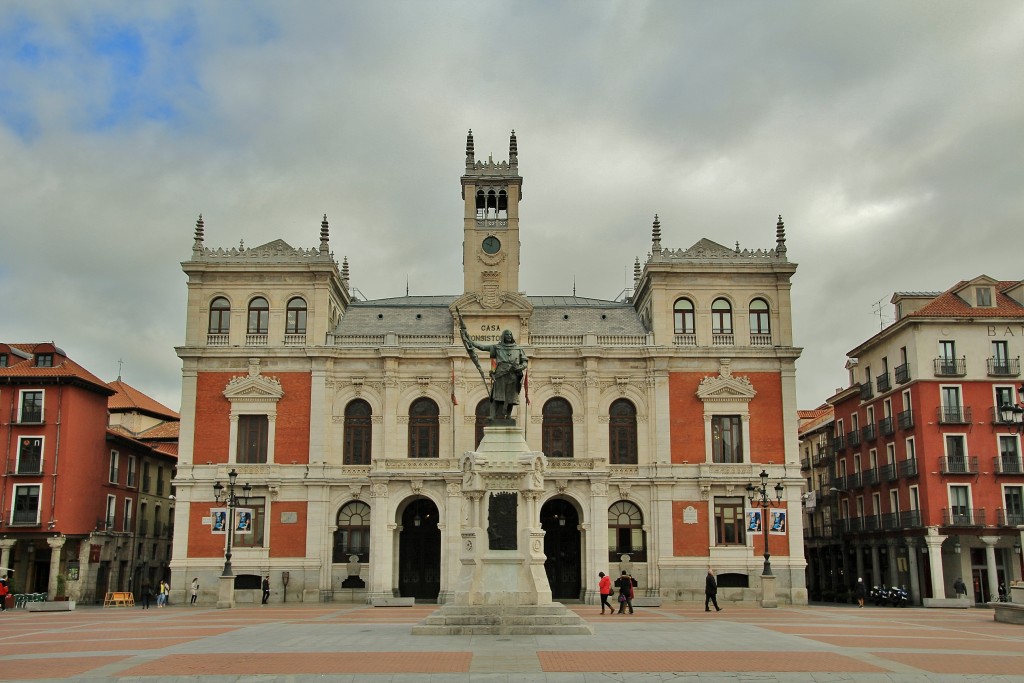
[345, 419]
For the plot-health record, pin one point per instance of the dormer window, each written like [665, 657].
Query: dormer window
[44, 360]
[3, 360]
[983, 296]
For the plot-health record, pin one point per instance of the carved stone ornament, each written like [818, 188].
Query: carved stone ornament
[254, 387]
[417, 486]
[355, 490]
[379, 490]
[705, 491]
[624, 490]
[561, 485]
[599, 488]
[454, 490]
[725, 387]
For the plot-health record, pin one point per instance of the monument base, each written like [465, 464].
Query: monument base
[499, 620]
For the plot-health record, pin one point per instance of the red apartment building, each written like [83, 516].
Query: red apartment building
[928, 482]
[70, 485]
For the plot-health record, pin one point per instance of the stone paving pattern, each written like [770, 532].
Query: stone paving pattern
[676, 642]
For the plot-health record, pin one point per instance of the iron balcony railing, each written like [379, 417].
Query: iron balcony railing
[1012, 518]
[963, 516]
[950, 415]
[871, 477]
[853, 438]
[885, 426]
[839, 484]
[882, 382]
[959, 464]
[1003, 367]
[853, 524]
[908, 468]
[869, 432]
[805, 463]
[1007, 464]
[905, 519]
[872, 523]
[887, 472]
[902, 373]
[905, 419]
[854, 481]
[839, 443]
[865, 391]
[951, 367]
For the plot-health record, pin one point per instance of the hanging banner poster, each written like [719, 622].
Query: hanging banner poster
[218, 521]
[778, 526]
[243, 523]
[753, 520]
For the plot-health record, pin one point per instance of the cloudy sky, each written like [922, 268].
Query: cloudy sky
[889, 135]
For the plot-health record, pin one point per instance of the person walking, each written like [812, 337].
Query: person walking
[147, 592]
[266, 589]
[960, 587]
[605, 587]
[625, 585]
[861, 591]
[161, 599]
[195, 591]
[711, 591]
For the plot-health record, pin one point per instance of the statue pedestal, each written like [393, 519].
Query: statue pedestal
[768, 598]
[225, 592]
[502, 586]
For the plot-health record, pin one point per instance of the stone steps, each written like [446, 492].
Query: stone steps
[552, 619]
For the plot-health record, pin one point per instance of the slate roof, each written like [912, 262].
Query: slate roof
[430, 315]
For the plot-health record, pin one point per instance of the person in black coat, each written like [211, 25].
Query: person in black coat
[861, 590]
[711, 591]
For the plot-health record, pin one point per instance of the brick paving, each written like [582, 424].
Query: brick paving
[339, 642]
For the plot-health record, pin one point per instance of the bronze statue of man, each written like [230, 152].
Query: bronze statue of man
[508, 366]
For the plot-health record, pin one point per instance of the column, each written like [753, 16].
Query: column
[892, 545]
[5, 552]
[934, 542]
[990, 565]
[876, 566]
[451, 540]
[860, 564]
[382, 547]
[597, 541]
[915, 583]
[55, 546]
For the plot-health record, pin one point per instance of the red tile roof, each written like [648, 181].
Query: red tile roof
[130, 399]
[63, 368]
[949, 304]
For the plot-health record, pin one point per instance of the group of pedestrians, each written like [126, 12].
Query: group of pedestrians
[626, 586]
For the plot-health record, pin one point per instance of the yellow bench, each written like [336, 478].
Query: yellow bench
[119, 600]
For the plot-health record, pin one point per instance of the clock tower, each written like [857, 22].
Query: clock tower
[490, 243]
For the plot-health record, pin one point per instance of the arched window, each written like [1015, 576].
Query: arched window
[483, 416]
[424, 429]
[358, 433]
[622, 433]
[295, 322]
[684, 323]
[556, 432]
[502, 205]
[481, 204]
[353, 534]
[259, 316]
[626, 532]
[721, 317]
[759, 318]
[220, 316]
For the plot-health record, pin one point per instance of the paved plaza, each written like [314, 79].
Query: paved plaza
[357, 643]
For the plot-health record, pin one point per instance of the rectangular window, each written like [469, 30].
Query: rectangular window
[44, 360]
[30, 455]
[960, 504]
[3, 360]
[112, 475]
[111, 512]
[947, 350]
[729, 521]
[911, 450]
[890, 453]
[26, 504]
[1009, 455]
[956, 453]
[726, 438]
[254, 537]
[915, 498]
[1013, 497]
[159, 481]
[31, 406]
[252, 438]
[131, 471]
[145, 477]
[127, 522]
[983, 296]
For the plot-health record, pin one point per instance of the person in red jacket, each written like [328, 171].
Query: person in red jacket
[605, 587]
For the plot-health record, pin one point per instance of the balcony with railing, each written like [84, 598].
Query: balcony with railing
[255, 340]
[871, 477]
[954, 415]
[910, 519]
[760, 340]
[839, 443]
[866, 391]
[823, 456]
[295, 340]
[883, 383]
[723, 340]
[687, 340]
[216, 340]
[854, 481]
[1003, 367]
[805, 463]
[887, 473]
[1007, 464]
[872, 523]
[853, 438]
[962, 464]
[852, 525]
[869, 432]
[885, 426]
[902, 373]
[950, 367]
[905, 418]
[963, 516]
[839, 483]
[1012, 518]
[908, 468]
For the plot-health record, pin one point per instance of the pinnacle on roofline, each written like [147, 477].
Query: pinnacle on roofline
[656, 236]
[470, 150]
[324, 236]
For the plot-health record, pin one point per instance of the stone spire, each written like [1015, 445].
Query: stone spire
[656, 236]
[513, 150]
[470, 152]
[324, 236]
[780, 238]
[344, 273]
[636, 273]
[200, 233]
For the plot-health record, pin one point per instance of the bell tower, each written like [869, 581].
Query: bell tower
[490, 242]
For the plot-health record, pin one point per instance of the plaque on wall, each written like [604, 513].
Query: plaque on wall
[690, 515]
[501, 519]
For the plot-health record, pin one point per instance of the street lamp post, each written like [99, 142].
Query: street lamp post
[226, 596]
[759, 497]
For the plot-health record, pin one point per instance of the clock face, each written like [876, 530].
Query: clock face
[491, 245]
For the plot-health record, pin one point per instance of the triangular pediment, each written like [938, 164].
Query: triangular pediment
[725, 389]
[253, 388]
[705, 248]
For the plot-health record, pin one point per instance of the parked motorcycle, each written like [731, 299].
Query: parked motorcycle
[879, 595]
[898, 596]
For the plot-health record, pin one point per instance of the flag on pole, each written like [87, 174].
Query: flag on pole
[455, 401]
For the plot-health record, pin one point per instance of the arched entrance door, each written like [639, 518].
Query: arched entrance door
[419, 551]
[561, 522]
